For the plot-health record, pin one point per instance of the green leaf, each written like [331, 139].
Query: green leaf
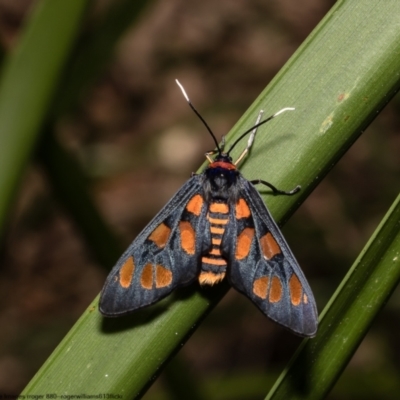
[91, 55]
[94, 51]
[27, 84]
[348, 316]
[337, 85]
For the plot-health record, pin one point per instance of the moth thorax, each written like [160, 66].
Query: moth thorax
[221, 183]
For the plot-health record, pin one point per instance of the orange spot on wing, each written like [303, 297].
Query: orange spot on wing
[305, 299]
[275, 292]
[219, 208]
[217, 221]
[126, 273]
[269, 246]
[295, 290]
[188, 237]
[195, 204]
[217, 231]
[213, 261]
[146, 280]
[160, 235]
[260, 287]
[242, 209]
[163, 276]
[216, 242]
[243, 243]
[209, 278]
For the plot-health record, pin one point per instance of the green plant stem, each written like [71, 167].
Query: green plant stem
[67, 179]
[348, 316]
[70, 186]
[27, 84]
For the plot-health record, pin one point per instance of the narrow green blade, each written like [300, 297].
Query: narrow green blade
[28, 81]
[347, 317]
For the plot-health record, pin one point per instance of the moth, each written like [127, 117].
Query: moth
[215, 227]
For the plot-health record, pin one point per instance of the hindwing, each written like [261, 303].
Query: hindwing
[262, 267]
[165, 255]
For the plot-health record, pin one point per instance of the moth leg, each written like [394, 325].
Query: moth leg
[251, 139]
[209, 154]
[275, 190]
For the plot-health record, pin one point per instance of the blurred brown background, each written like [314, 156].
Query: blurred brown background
[138, 141]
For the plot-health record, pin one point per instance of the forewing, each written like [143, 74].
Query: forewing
[165, 255]
[263, 268]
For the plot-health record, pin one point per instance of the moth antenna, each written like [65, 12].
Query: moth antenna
[198, 114]
[257, 125]
[283, 110]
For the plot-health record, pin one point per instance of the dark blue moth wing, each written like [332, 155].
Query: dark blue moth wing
[165, 255]
[263, 268]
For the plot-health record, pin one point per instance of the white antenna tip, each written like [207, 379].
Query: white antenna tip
[183, 90]
[283, 110]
